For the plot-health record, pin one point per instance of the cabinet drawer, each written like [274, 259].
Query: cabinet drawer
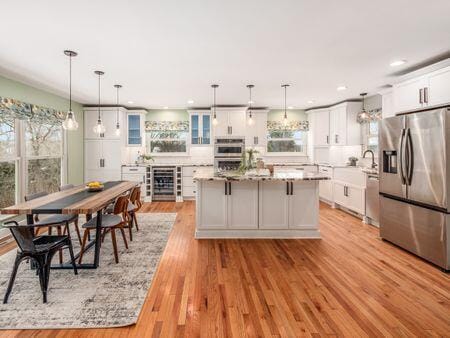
[134, 170]
[326, 170]
[188, 181]
[189, 191]
[189, 171]
[133, 177]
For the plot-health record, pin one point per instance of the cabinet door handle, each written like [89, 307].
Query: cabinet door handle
[231, 128]
[328, 139]
[292, 188]
[100, 163]
[229, 188]
[336, 138]
[287, 188]
[425, 95]
[255, 140]
[143, 178]
[133, 169]
[421, 95]
[226, 188]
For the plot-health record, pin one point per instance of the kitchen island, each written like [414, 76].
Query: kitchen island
[279, 205]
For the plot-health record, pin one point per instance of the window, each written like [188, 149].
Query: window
[167, 136]
[7, 161]
[43, 149]
[31, 150]
[290, 139]
[372, 137]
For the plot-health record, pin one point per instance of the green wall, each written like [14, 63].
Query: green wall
[293, 115]
[17, 90]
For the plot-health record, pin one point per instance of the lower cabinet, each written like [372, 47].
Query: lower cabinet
[227, 205]
[326, 190]
[350, 197]
[282, 205]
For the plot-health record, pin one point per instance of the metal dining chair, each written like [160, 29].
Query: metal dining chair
[56, 220]
[110, 223]
[40, 249]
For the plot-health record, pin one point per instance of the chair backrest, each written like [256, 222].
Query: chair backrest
[66, 187]
[36, 195]
[23, 234]
[135, 194]
[121, 205]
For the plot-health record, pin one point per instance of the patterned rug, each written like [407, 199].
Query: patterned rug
[109, 296]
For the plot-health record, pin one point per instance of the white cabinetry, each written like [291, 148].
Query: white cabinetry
[349, 189]
[326, 186]
[387, 103]
[231, 122]
[256, 134]
[135, 174]
[336, 125]
[228, 205]
[304, 194]
[423, 91]
[273, 205]
[135, 128]
[109, 119]
[102, 160]
[321, 127]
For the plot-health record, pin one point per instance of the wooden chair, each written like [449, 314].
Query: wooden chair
[40, 249]
[56, 220]
[134, 205]
[110, 222]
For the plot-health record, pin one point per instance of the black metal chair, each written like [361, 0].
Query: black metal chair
[56, 220]
[40, 249]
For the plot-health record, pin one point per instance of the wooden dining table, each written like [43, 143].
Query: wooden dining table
[80, 201]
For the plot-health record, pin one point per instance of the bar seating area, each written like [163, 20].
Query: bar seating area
[38, 244]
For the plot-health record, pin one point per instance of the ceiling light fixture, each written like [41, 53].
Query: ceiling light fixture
[130, 102]
[310, 101]
[190, 101]
[99, 127]
[397, 63]
[341, 88]
[250, 115]
[117, 86]
[165, 107]
[70, 122]
[363, 115]
[214, 121]
[290, 107]
[285, 118]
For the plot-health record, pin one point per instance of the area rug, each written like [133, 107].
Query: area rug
[110, 296]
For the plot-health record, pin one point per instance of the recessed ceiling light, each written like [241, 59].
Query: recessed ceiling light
[190, 101]
[340, 88]
[251, 102]
[165, 107]
[311, 101]
[290, 107]
[397, 63]
[130, 102]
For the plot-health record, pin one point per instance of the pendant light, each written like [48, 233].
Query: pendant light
[285, 118]
[363, 115]
[70, 123]
[117, 86]
[215, 122]
[250, 113]
[99, 127]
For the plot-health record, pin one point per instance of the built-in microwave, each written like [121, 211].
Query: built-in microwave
[229, 147]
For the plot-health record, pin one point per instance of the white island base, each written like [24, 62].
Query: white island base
[273, 208]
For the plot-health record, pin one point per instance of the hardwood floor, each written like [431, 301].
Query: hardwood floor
[349, 283]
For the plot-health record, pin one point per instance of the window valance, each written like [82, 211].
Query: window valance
[166, 126]
[15, 109]
[291, 126]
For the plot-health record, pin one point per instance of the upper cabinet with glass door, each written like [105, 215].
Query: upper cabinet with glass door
[135, 128]
[200, 127]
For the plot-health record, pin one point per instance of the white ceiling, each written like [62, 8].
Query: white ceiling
[167, 52]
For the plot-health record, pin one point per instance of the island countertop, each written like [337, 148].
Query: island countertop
[208, 174]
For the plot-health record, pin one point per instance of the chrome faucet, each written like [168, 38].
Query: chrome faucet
[374, 165]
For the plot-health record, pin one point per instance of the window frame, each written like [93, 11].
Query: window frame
[368, 135]
[303, 153]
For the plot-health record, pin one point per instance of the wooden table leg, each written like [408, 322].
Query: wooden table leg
[98, 239]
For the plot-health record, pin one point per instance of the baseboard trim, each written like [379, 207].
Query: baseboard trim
[258, 234]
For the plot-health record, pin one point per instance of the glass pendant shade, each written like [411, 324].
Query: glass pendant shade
[285, 120]
[70, 123]
[99, 128]
[117, 129]
[214, 121]
[250, 121]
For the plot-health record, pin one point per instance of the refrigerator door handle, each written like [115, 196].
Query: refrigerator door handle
[409, 156]
[402, 163]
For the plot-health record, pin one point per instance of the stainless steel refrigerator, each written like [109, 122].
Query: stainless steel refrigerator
[414, 186]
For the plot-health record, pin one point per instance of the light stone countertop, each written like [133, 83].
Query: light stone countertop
[263, 175]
